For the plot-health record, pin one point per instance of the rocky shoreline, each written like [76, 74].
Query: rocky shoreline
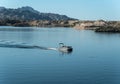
[38, 23]
[29, 17]
[97, 26]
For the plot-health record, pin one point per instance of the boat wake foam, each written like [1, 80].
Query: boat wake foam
[12, 44]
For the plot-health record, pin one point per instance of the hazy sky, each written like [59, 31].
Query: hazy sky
[81, 9]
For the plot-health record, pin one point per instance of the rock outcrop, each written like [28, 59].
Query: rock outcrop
[112, 26]
[108, 29]
[90, 24]
[99, 25]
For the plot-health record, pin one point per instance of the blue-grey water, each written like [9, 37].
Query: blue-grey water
[95, 58]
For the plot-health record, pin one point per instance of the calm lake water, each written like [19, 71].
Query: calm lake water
[94, 60]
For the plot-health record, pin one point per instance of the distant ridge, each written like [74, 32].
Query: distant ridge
[28, 13]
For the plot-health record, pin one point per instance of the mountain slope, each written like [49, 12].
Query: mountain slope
[28, 13]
